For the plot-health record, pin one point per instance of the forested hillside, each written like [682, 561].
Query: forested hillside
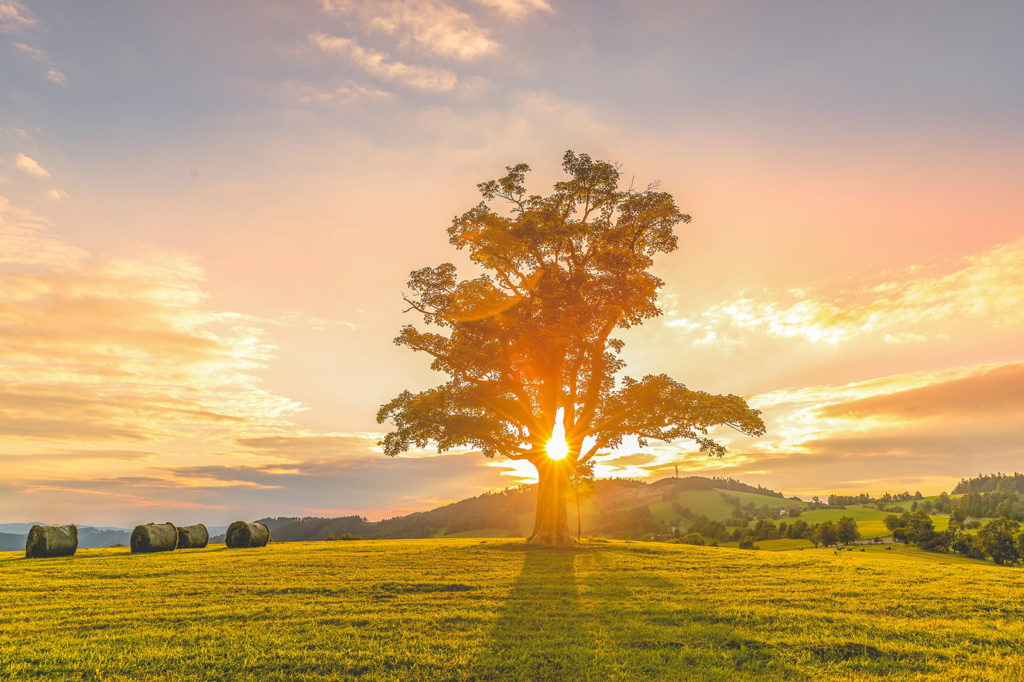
[616, 507]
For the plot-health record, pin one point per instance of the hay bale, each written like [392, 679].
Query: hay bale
[154, 537]
[244, 534]
[48, 541]
[193, 537]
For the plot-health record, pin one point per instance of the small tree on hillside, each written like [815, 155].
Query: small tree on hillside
[528, 344]
[846, 530]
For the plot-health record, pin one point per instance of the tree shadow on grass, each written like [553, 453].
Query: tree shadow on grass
[542, 632]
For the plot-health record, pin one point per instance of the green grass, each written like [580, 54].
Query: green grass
[870, 521]
[466, 609]
[712, 504]
[781, 544]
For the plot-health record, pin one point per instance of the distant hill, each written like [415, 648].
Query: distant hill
[618, 507]
[18, 528]
[10, 542]
[88, 537]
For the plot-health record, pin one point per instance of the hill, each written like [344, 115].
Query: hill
[509, 513]
[466, 609]
[88, 537]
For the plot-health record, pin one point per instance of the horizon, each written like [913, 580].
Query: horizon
[208, 217]
[225, 520]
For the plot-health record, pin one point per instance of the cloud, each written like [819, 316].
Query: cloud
[65, 455]
[302, 446]
[34, 52]
[297, 318]
[379, 64]
[54, 75]
[123, 392]
[373, 485]
[223, 492]
[796, 417]
[920, 430]
[936, 426]
[430, 25]
[989, 392]
[516, 9]
[25, 241]
[907, 307]
[57, 194]
[120, 350]
[29, 165]
[349, 92]
[14, 17]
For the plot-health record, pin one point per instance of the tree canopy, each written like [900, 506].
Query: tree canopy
[530, 340]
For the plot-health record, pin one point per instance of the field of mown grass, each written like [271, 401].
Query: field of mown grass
[471, 609]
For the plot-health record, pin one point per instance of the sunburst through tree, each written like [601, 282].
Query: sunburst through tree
[534, 369]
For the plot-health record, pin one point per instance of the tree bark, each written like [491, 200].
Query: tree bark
[552, 526]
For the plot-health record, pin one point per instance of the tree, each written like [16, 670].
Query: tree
[692, 539]
[824, 533]
[846, 530]
[967, 545]
[799, 529]
[997, 539]
[765, 530]
[528, 344]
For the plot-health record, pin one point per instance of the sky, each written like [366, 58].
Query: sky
[208, 213]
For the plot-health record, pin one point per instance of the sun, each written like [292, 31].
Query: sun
[557, 448]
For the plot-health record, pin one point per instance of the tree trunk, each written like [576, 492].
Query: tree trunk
[552, 526]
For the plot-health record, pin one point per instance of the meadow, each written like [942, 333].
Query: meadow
[471, 609]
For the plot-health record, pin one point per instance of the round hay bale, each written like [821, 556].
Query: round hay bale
[244, 534]
[49, 541]
[154, 537]
[193, 537]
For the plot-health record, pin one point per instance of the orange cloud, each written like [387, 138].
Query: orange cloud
[29, 165]
[119, 349]
[906, 307]
[988, 393]
[516, 9]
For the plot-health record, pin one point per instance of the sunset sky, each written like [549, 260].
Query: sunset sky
[208, 212]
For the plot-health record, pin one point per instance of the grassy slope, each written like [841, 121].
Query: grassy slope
[463, 609]
[870, 521]
[711, 504]
[714, 505]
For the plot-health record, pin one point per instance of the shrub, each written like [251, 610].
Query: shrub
[692, 539]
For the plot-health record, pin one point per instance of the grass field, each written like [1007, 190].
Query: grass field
[870, 521]
[467, 609]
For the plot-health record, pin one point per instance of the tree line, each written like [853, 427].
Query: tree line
[991, 483]
[1000, 539]
[827, 533]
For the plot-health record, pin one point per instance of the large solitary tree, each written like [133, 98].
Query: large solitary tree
[535, 371]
